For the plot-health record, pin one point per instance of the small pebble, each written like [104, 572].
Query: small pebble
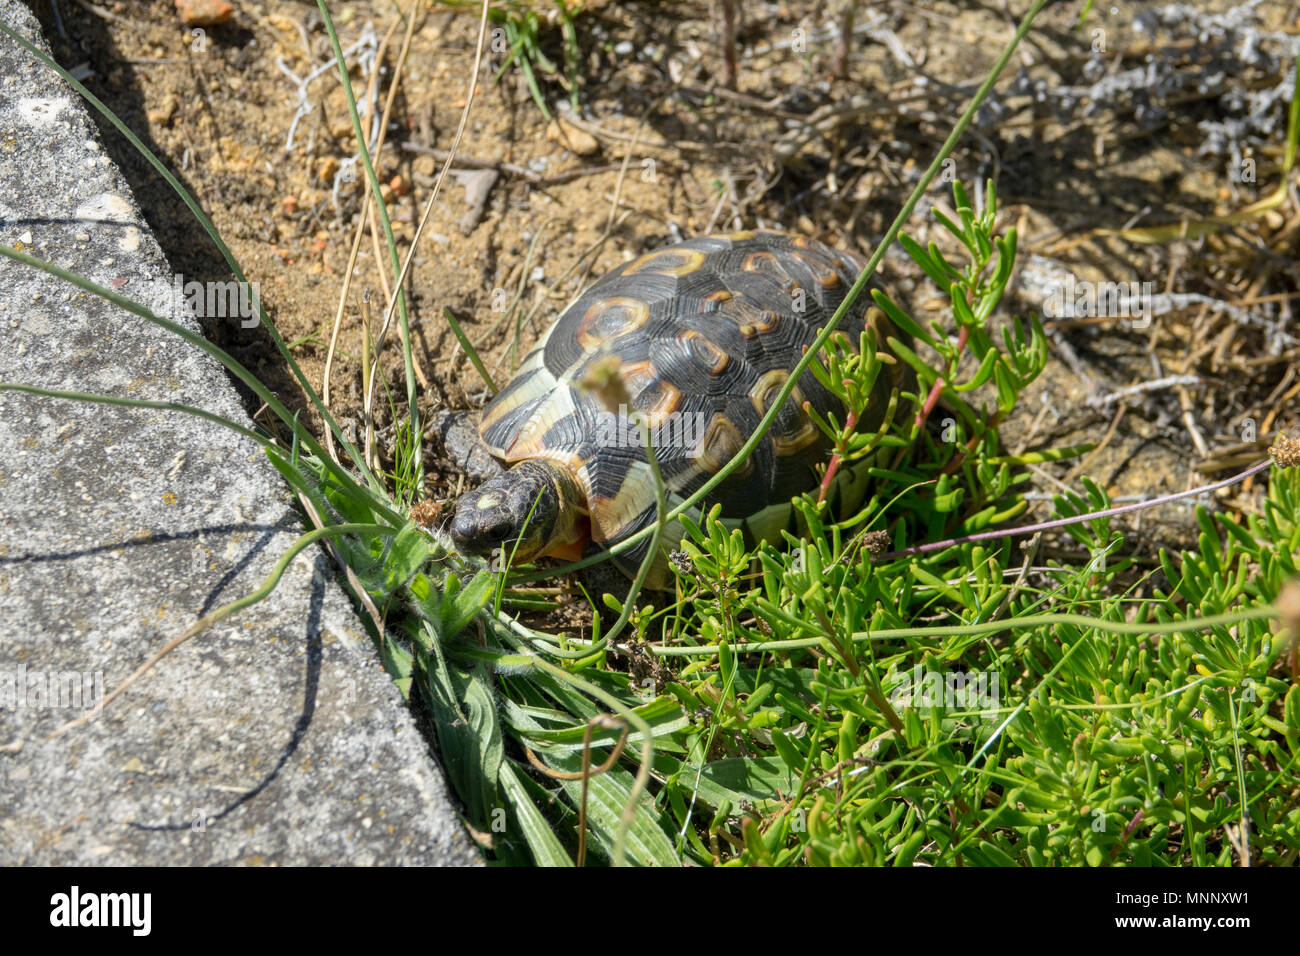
[203, 13]
[573, 139]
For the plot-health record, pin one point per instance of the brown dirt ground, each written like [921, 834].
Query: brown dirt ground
[218, 109]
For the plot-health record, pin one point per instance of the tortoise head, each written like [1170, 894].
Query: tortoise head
[531, 510]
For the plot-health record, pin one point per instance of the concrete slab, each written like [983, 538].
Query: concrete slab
[273, 739]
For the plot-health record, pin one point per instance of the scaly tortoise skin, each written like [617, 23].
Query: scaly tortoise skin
[707, 330]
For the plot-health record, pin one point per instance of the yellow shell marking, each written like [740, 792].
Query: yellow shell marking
[668, 398]
[523, 388]
[530, 440]
[719, 445]
[762, 263]
[609, 516]
[761, 397]
[708, 354]
[667, 262]
[607, 319]
[826, 277]
[638, 376]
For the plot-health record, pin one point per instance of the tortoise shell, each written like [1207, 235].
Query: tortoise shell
[704, 334]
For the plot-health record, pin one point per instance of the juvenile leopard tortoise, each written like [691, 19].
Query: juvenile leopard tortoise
[704, 334]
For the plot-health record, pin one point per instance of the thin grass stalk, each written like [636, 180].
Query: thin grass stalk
[380, 207]
[99, 399]
[366, 202]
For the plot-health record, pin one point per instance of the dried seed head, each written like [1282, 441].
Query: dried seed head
[876, 543]
[682, 562]
[1285, 451]
[604, 379]
[426, 513]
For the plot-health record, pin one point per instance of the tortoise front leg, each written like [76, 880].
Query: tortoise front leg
[458, 432]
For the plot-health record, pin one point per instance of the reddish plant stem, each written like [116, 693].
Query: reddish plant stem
[850, 423]
[936, 390]
[958, 458]
[1128, 832]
